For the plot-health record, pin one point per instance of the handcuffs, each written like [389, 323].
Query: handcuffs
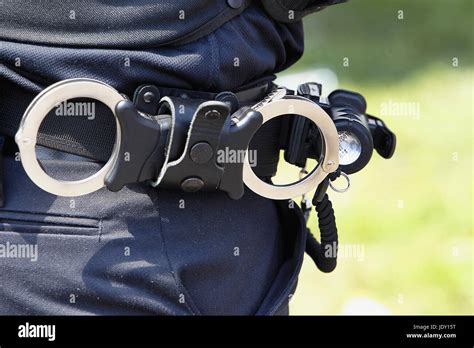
[147, 142]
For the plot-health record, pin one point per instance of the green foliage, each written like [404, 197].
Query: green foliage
[382, 48]
[413, 213]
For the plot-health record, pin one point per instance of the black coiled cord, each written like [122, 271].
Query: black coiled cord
[324, 253]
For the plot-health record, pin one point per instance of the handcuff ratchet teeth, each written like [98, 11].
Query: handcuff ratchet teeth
[157, 138]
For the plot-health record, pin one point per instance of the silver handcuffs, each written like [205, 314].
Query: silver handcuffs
[276, 104]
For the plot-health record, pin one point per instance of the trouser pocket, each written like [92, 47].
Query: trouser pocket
[95, 254]
[38, 223]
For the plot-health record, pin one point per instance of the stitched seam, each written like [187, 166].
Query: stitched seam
[218, 55]
[215, 61]
[209, 72]
[101, 227]
[181, 289]
[179, 286]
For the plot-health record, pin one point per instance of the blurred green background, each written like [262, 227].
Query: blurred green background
[411, 215]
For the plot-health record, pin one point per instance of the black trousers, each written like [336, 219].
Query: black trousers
[143, 250]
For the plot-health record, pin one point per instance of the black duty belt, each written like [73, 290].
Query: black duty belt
[198, 144]
[95, 140]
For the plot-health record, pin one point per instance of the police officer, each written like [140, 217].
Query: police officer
[141, 250]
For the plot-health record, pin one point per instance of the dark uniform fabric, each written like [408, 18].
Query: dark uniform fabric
[142, 250]
[248, 48]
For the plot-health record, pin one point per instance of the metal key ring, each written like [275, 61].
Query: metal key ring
[330, 160]
[341, 190]
[35, 114]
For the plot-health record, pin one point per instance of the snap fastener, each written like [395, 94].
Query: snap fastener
[192, 184]
[212, 114]
[148, 97]
[230, 99]
[235, 4]
[201, 153]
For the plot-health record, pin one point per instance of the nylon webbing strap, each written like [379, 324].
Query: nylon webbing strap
[95, 140]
